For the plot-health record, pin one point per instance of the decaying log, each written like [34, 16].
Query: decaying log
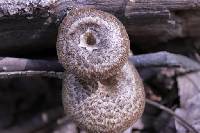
[31, 25]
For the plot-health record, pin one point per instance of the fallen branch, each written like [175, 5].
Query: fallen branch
[17, 67]
[165, 59]
[8, 64]
[50, 74]
[29, 24]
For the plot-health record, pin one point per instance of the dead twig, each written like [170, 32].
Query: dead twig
[51, 74]
[168, 110]
[8, 64]
[165, 59]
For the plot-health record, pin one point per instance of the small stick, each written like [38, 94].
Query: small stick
[51, 74]
[165, 59]
[168, 110]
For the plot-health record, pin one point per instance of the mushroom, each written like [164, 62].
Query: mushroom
[102, 91]
[92, 44]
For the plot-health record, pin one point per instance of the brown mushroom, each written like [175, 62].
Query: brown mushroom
[102, 92]
[109, 108]
[92, 43]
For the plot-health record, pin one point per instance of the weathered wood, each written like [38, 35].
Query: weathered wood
[31, 25]
[18, 67]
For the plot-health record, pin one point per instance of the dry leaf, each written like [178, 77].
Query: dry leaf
[189, 92]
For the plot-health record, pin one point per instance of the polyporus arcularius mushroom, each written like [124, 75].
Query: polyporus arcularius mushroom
[102, 92]
[92, 44]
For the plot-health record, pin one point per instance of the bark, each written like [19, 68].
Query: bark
[31, 26]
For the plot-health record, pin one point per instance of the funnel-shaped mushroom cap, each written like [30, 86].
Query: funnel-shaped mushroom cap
[92, 43]
[109, 108]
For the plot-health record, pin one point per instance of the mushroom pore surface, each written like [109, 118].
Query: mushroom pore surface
[105, 108]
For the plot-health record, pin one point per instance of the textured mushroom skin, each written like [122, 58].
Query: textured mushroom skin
[101, 91]
[105, 108]
[109, 49]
